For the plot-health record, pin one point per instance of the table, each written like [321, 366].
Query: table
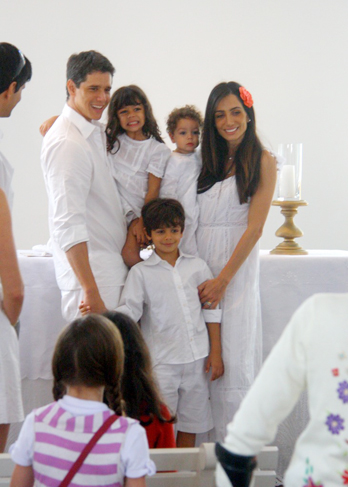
[285, 282]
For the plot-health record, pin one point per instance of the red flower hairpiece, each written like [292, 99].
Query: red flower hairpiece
[246, 97]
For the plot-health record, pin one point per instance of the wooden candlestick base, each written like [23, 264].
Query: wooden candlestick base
[289, 231]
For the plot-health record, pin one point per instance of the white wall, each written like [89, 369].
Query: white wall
[291, 55]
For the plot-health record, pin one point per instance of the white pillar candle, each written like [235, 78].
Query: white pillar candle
[287, 186]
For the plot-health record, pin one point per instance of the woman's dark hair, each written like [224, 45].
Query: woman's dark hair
[14, 67]
[139, 389]
[89, 352]
[79, 66]
[161, 213]
[247, 158]
[125, 96]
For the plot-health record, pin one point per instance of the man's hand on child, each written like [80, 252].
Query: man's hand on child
[84, 309]
[44, 127]
[215, 363]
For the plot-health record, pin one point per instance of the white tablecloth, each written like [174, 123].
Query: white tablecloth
[285, 282]
[41, 320]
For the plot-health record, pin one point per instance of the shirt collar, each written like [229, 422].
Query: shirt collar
[85, 127]
[154, 259]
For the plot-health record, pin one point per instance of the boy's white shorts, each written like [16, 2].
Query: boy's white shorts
[185, 390]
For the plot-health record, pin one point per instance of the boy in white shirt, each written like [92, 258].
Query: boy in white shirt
[162, 291]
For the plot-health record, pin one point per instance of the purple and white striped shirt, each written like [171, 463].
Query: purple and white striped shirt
[59, 439]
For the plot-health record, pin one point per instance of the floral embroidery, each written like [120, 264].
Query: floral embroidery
[335, 423]
[343, 391]
[345, 477]
[335, 372]
[342, 356]
[246, 97]
[311, 483]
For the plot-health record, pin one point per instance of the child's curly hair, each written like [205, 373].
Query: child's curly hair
[188, 111]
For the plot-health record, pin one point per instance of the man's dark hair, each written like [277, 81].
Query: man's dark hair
[14, 67]
[162, 213]
[80, 65]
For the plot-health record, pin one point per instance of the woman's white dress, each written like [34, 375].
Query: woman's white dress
[222, 222]
[11, 409]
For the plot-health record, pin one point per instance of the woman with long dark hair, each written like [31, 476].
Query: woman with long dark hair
[235, 190]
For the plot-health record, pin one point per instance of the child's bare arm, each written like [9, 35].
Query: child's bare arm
[153, 188]
[139, 482]
[152, 193]
[214, 360]
[44, 127]
[22, 477]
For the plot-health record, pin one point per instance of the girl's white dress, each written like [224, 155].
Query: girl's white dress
[131, 166]
[222, 222]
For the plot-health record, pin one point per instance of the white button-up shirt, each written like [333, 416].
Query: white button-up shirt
[166, 299]
[84, 205]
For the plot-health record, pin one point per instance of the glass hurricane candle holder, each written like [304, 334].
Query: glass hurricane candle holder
[290, 177]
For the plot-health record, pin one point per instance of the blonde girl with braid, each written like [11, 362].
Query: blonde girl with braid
[87, 367]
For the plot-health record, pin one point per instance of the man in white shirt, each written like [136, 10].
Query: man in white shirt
[87, 225]
[14, 73]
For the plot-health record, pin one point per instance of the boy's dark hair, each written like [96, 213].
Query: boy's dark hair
[162, 213]
[188, 111]
[14, 67]
[80, 65]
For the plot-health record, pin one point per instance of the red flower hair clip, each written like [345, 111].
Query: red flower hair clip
[246, 97]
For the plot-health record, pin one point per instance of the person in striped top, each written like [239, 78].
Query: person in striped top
[87, 362]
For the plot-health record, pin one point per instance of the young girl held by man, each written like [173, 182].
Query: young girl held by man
[139, 158]
[87, 364]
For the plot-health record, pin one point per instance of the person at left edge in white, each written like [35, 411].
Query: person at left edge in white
[14, 73]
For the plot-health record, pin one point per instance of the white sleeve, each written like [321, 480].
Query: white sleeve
[158, 160]
[133, 295]
[210, 315]
[22, 451]
[68, 177]
[135, 453]
[275, 391]
[169, 183]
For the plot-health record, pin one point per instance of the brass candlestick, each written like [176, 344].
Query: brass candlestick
[289, 231]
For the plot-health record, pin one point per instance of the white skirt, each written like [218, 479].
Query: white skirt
[11, 407]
